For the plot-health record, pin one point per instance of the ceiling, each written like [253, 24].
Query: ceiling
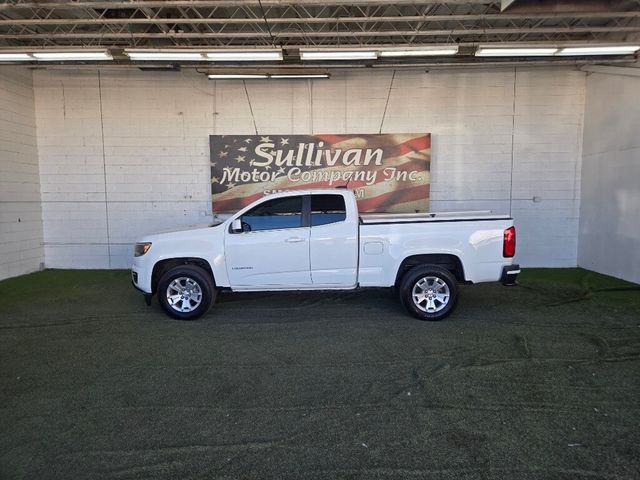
[314, 23]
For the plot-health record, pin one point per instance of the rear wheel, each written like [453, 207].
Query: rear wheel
[186, 292]
[429, 292]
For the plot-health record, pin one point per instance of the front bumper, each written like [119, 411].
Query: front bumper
[134, 282]
[510, 275]
[141, 275]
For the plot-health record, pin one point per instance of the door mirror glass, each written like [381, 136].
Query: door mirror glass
[236, 226]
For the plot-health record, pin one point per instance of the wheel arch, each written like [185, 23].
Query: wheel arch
[163, 265]
[445, 260]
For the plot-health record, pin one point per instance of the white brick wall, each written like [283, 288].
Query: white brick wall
[20, 214]
[547, 159]
[144, 136]
[153, 160]
[609, 238]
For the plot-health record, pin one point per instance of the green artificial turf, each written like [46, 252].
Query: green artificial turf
[579, 284]
[530, 382]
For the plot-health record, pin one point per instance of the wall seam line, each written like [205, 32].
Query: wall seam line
[384, 113]
[513, 134]
[104, 171]
[253, 117]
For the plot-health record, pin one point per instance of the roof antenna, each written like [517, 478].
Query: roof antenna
[345, 186]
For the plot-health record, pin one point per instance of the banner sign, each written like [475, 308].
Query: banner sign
[387, 173]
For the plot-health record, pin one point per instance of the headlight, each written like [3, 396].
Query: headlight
[141, 248]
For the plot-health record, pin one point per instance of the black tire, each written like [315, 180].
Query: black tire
[197, 284]
[433, 307]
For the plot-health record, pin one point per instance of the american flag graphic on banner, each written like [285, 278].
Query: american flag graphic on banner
[387, 172]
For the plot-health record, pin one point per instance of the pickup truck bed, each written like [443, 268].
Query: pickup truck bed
[366, 218]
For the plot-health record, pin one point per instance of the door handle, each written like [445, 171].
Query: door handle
[294, 240]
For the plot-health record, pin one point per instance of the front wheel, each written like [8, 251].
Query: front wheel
[186, 292]
[429, 292]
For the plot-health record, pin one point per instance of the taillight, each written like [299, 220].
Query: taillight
[509, 242]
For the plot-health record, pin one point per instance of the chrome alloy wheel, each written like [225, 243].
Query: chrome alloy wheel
[431, 294]
[184, 294]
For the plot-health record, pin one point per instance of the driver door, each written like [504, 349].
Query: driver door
[272, 251]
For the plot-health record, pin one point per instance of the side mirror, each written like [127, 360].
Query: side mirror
[236, 226]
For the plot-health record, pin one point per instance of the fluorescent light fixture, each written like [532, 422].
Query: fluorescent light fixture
[231, 76]
[419, 52]
[516, 52]
[59, 56]
[15, 57]
[552, 51]
[146, 55]
[300, 75]
[211, 56]
[603, 50]
[244, 55]
[338, 55]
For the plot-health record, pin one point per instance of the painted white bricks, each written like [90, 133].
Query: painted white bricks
[123, 153]
[609, 235]
[129, 156]
[547, 148]
[20, 212]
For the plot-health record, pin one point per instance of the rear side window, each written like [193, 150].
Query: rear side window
[327, 209]
[275, 214]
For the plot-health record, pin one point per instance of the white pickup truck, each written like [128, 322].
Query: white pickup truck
[315, 240]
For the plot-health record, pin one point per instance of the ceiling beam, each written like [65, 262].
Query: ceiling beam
[221, 3]
[461, 62]
[574, 6]
[310, 20]
[322, 34]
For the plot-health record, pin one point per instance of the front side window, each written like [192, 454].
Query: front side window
[274, 215]
[327, 209]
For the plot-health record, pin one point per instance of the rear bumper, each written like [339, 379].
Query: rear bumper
[510, 274]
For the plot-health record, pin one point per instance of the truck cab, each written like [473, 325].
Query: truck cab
[297, 239]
